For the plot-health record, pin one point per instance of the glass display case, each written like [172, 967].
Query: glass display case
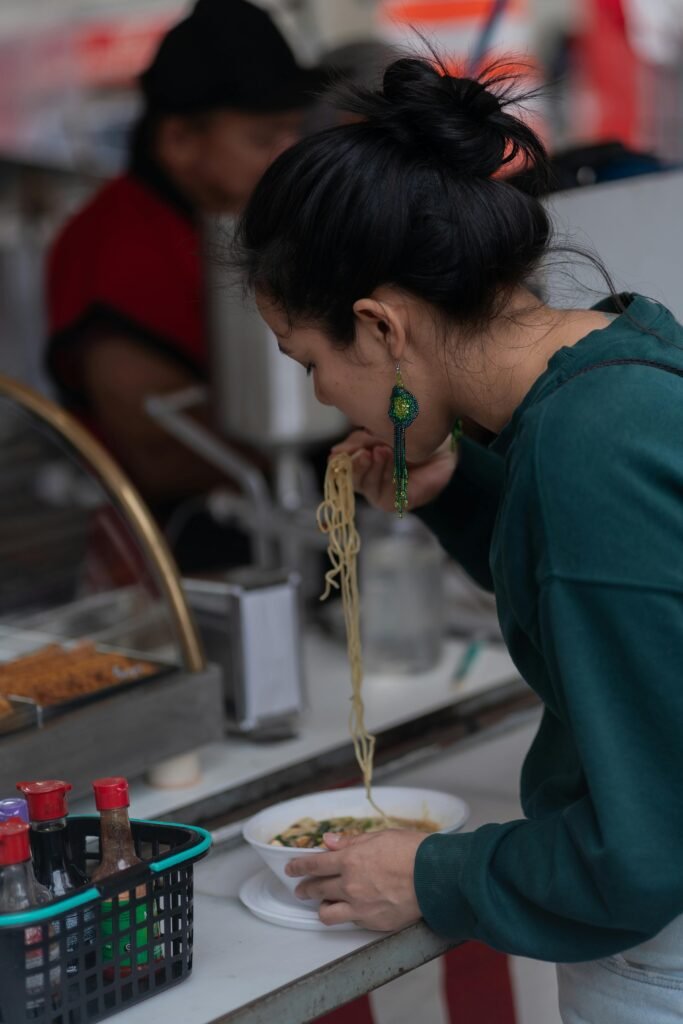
[93, 619]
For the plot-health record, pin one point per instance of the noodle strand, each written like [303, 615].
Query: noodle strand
[336, 518]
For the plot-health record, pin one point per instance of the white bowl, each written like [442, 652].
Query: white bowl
[444, 809]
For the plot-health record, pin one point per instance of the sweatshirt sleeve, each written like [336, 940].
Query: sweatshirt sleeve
[603, 873]
[463, 515]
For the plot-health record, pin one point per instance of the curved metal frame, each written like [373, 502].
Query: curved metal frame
[126, 497]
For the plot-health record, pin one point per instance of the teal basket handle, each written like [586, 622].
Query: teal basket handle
[46, 913]
[92, 894]
[204, 842]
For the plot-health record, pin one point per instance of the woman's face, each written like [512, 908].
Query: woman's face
[219, 157]
[237, 148]
[358, 378]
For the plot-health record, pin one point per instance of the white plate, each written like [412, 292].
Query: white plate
[268, 899]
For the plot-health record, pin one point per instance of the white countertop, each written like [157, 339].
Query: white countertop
[239, 958]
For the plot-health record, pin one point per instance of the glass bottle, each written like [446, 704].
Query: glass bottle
[52, 859]
[117, 852]
[47, 808]
[20, 891]
[401, 581]
[19, 887]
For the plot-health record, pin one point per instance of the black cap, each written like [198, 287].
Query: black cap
[227, 54]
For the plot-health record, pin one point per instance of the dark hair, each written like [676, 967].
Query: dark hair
[408, 196]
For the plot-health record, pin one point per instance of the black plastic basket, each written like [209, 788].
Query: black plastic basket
[78, 959]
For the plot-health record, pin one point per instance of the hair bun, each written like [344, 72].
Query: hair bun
[403, 75]
[462, 122]
[454, 117]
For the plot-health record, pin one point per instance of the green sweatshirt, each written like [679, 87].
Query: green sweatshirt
[574, 517]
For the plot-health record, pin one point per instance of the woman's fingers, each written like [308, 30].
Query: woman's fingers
[321, 889]
[321, 865]
[357, 439]
[362, 464]
[372, 467]
[335, 913]
[367, 879]
[373, 471]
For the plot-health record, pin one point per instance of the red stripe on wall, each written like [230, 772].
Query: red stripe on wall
[477, 990]
[478, 986]
[357, 1012]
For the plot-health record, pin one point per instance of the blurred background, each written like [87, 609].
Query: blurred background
[68, 99]
[222, 436]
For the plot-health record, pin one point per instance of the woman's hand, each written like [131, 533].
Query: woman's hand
[373, 471]
[365, 879]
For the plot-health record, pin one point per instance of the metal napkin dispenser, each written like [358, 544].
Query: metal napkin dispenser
[250, 624]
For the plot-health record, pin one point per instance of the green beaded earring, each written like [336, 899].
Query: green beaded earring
[403, 410]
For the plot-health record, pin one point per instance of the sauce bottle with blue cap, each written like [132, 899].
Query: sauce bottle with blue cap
[14, 808]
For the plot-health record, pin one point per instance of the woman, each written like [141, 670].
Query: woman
[395, 242]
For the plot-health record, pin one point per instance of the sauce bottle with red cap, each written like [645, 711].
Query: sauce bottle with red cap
[19, 890]
[47, 811]
[19, 887]
[117, 852]
[52, 860]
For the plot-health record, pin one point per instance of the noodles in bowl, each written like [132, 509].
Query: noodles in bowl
[411, 805]
[308, 834]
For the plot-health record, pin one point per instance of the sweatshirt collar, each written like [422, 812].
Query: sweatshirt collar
[636, 313]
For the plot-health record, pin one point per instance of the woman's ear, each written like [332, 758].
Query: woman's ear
[386, 323]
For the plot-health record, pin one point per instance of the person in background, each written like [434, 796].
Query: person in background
[410, 263]
[223, 97]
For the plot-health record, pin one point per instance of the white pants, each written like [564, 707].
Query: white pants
[643, 985]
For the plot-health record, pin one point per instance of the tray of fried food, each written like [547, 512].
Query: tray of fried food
[18, 713]
[55, 678]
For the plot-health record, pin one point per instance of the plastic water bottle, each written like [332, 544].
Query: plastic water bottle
[401, 567]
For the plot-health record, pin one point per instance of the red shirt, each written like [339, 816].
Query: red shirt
[129, 260]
